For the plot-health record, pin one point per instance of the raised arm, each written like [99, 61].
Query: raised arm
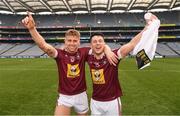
[29, 23]
[127, 48]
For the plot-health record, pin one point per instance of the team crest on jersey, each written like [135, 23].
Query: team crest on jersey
[72, 58]
[98, 76]
[73, 70]
[96, 64]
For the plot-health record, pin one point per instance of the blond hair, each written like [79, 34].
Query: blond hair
[72, 32]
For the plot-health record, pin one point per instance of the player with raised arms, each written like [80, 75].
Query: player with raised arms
[71, 68]
[106, 87]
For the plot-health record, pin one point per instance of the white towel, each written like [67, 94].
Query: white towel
[145, 49]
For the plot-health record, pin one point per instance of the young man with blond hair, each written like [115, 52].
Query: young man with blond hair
[71, 68]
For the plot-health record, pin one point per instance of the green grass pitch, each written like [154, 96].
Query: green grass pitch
[29, 87]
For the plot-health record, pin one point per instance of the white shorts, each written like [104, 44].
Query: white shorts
[112, 107]
[79, 102]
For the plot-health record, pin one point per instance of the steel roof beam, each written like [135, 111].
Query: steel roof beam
[109, 5]
[67, 5]
[46, 5]
[131, 4]
[152, 4]
[23, 4]
[172, 4]
[88, 5]
[9, 6]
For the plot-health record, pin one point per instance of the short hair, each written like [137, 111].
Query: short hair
[72, 32]
[96, 34]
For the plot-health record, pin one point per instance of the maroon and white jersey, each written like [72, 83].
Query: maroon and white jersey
[71, 69]
[106, 85]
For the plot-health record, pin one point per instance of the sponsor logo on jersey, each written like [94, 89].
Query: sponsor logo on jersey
[73, 70]
[98, 76]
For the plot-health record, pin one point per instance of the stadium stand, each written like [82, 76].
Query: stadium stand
[126, 19]
[175, 46]
[15, 41]
[31, 50]
[165, 51]
[16, 49]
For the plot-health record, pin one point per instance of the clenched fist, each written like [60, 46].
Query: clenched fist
[28, 21]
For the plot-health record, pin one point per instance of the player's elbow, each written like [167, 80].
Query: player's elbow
[124, 53]
[48, 49]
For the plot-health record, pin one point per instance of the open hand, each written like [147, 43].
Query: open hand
[112, 58]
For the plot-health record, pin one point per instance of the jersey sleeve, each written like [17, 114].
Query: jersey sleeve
[118, 53]
[58, 54]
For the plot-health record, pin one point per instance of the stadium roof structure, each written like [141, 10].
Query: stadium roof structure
[86, 6]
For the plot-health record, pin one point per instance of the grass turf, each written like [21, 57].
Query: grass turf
[29, 87]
